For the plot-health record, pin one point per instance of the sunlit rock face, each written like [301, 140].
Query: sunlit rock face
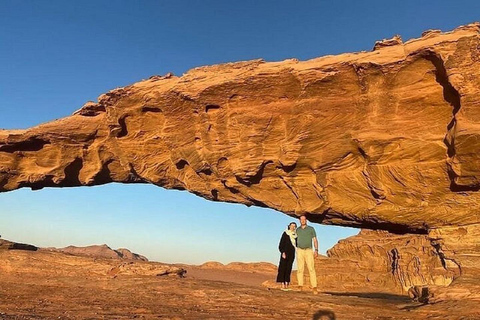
[386, 139]
[443, 265]
[378, 261]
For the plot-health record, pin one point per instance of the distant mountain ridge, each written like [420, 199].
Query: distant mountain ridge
[265, 267]
[96, 251]
[100, 251]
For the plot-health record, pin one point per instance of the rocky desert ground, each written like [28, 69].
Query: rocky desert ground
[46, 284]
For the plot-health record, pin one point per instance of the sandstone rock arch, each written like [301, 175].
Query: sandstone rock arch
[384, 139]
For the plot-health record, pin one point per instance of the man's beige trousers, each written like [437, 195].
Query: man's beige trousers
[306, 256]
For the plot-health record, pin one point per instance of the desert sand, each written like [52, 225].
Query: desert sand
[45, 284]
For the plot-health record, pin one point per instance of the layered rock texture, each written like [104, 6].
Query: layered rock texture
[382, 260]
[387, 139]
[378, 261]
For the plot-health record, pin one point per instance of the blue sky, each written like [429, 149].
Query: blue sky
[55, 55]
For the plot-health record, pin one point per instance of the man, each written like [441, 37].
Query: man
[305, 254]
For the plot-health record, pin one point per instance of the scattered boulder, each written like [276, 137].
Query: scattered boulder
[419, 294]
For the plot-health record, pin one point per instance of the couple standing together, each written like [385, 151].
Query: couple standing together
[299, 240]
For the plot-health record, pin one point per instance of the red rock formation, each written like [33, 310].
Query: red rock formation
[443, 265]
[458, 246]
[378, 261]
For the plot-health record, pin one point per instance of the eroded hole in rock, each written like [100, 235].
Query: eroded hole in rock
[206, 171]
[151, 109]
[211, 107]
[256, 178]
[288, 168]
[32, 144]
[103, 176]
[181, 164]
[215, 194]
[72, 172]
[123, 127]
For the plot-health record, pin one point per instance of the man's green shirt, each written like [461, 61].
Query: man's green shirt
[305, 236]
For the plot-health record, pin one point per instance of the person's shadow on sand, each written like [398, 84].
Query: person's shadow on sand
[324, 315]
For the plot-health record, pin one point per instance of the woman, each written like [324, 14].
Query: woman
[287, 245]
